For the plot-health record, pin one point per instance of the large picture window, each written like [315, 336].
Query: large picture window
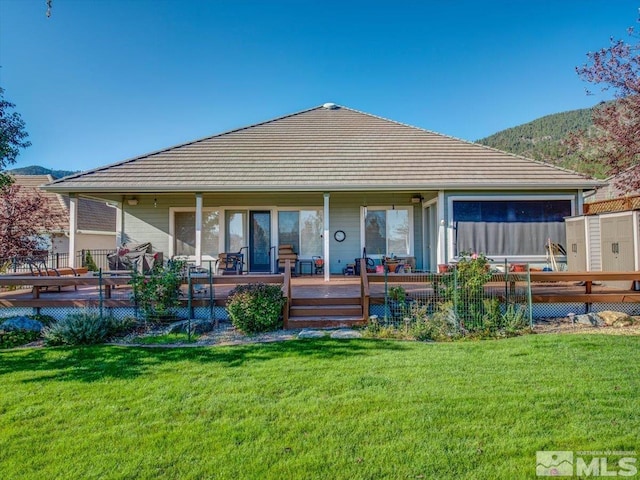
[185, 233]
[387, 231]
[508, 227]
[302, 229]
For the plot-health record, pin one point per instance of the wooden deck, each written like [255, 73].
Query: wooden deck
[342, 301]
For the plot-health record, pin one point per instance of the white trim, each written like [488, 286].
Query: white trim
[442, 232]
[95, 232]
[198, 227]
[73, 227]
[325, 238]
[119, 224]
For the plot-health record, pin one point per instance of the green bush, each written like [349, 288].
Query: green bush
[417, 324]
[16, 338]
[256, 307]
[83, 329]
[90, 263]
[158, 294]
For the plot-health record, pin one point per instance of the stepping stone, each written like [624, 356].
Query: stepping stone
[311, 334]
[346, 334]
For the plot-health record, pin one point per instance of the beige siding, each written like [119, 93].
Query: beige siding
[595, 247]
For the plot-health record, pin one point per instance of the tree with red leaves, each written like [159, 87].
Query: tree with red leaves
[615, 138]
[24, 216]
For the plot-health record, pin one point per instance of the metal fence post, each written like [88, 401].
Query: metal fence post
[212, 306]
[530, 307]
[189, 302]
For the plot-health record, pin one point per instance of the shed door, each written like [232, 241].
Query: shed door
[576, 245]
[617, 246]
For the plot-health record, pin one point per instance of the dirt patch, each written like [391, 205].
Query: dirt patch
[565, 325]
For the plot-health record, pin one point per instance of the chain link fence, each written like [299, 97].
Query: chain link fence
[452, 304]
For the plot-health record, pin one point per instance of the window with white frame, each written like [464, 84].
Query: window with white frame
[511, 227]
[185, 232]
[302, 229]
[387, 231]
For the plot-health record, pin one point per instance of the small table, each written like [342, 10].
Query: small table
[305, 262]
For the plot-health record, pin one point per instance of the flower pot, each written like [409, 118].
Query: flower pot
[519, 267]
[443, 268]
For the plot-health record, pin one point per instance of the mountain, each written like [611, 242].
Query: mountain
[542, 139]
[37, 170]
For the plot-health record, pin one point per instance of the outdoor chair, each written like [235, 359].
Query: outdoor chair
[286, 252]
[230, 263]
[318, 265]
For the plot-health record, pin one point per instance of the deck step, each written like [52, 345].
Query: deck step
[322, 301]
[324, 321]
[325, 310]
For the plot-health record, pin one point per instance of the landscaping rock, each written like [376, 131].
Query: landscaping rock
[616, 319]
[21, 323]
[197, 326]
[346, 334]
[306, 333]
[591, 319]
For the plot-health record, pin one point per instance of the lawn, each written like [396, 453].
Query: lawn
[316, 409]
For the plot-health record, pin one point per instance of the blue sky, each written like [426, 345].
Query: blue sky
[105, 80]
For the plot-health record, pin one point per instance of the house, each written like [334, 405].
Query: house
[611, 188]
[95, 220]
[332, 182]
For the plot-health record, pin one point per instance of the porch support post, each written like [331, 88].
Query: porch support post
[580, 205]
[442, 225]
[198, 229]
[119, 224]
[73, 227]
[325, 238]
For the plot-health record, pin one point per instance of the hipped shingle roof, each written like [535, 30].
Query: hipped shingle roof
[334, 148]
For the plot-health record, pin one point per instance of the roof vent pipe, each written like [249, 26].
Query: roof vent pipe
[330, 106]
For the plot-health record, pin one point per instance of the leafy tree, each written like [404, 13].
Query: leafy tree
[23, 216]
[615, 139]
[12, 137]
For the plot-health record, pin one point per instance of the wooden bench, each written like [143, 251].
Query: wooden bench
[40, 269]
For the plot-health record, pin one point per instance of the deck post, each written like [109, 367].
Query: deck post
[198, 229]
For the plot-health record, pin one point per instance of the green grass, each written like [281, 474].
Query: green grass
[166, 339]
[361, 409]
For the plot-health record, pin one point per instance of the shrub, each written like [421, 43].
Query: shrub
[16, 338]
[417, 324]
[158, 294]
[83, 329]
[256, 307]
[90, 263]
